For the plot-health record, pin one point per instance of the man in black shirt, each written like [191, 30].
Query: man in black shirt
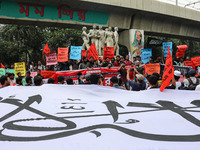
[106, 63]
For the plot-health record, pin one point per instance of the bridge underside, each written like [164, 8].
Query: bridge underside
[123, 17]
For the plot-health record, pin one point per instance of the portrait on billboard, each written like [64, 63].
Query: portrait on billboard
[137, 41]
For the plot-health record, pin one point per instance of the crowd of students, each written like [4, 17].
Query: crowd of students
[140, 81]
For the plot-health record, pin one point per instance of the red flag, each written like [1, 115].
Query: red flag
[2, 66]
[46, 49]
[93, 52]
[181, 50]
[168, 72]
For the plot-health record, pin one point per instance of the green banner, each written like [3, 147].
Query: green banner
[61, 12]
[2, 72]
[10, 71]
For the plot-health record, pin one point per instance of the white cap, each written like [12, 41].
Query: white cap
[177, 73]
[140, 77]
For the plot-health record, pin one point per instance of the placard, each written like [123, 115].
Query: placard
[20, 67]
[165, 48]
[181, 50]
[51, 58]
[196, 61]
[75, 52]
[63, 54]
[146, 54]
[152, 68]
[108, 52]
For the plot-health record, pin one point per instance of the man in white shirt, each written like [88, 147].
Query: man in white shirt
[177, 75]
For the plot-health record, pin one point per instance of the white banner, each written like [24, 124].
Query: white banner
[89, 117]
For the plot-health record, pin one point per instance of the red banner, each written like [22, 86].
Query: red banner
[93, 52]
[196, 61]
[189, 63]
[48, 74]
[152, 68]
[46, 49]
[108, 52]
[106, 72]
[168, 72]
[181, 50]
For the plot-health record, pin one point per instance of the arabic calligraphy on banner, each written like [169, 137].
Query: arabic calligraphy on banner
[50, 115]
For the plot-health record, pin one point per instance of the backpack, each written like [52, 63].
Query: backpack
[192, 86]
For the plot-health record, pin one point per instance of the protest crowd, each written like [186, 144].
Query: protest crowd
[130, 74]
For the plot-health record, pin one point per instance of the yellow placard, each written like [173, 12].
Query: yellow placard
[20, 67]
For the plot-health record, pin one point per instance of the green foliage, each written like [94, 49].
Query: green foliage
[192, 51]
[18, 41]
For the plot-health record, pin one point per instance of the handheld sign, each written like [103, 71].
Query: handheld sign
[146, 54]
[51, 58]
[33, 74]
[108, 52]
[75, 53]
[189, 63]
[63, 54]
[20, 67]
[196, 61]
[165, 48]
[152, 68]
[181, 50]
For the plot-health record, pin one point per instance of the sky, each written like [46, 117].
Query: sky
[182, 3]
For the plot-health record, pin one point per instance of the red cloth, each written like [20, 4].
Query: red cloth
[2, 66]
[128, 62]
[117, 64]
[123, 73]
[168, 72]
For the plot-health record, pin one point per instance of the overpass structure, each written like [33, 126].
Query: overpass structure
[155, 18]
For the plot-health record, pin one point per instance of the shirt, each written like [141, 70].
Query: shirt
[137, 86]
[123, 72]
[105, 64]
[42, 67]
[84, 65]
[140, 70]
[128, 62]
[186, 82]
[117, 64]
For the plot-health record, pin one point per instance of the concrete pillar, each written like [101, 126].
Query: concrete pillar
[124, 39]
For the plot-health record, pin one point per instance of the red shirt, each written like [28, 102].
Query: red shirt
[123, 72]
[117, 64]
[128, 62]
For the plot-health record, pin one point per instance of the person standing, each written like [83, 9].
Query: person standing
[127, 61]
[138, 84]
[123, 72]
[41, 66]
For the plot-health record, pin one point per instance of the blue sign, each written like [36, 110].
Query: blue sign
[75, 52]
[165, 48]
[146, 54]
